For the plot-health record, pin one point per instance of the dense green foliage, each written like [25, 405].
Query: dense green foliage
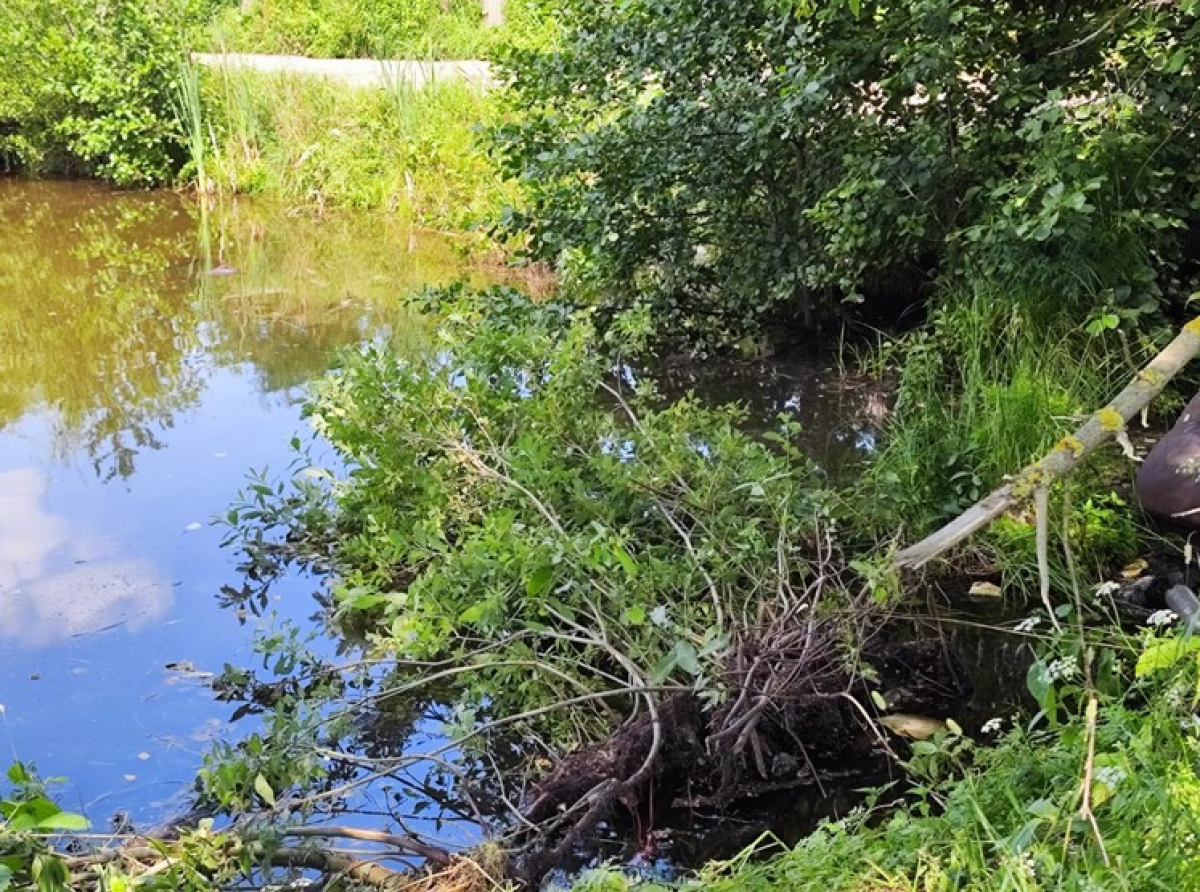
[993, 380]
[86, 88]
[27, 813]
[393, 29]
[506, 507]
[732, 164]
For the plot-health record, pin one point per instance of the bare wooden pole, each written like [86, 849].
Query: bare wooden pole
[1069, 452]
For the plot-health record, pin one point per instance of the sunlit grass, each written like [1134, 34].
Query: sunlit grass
[308, 141]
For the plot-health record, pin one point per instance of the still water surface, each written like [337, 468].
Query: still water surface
[148, 358]
[150, 355]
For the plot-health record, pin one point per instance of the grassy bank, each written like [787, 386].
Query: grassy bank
[1109, 804]
[313, 142]
[396, 29]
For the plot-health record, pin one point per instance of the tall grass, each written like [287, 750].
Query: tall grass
[990, 384]
[199, 139]
[313, 142]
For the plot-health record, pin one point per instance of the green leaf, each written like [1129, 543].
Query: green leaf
[635, 615]
[6, 876]
[64, 820]
[538, 582]
[1165, 654]
[1044, 809]
[263, 789]
[472, 614]
[627, 563]
[686, 658]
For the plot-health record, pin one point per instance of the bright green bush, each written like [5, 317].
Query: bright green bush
[415, 29]
[85, 88]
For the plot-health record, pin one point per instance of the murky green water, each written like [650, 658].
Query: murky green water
[149, 356]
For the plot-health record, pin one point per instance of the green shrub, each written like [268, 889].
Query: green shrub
[497, 492]
[85, 88]
[989, 385]
[736, 164]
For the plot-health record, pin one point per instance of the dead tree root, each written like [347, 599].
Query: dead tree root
[800, 716]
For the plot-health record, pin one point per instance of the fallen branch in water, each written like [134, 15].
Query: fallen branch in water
[144, 860]
[1070, 451]
[145, 856]
[430, 853]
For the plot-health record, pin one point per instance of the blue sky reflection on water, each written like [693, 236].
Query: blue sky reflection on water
[137, 392]
[104, 584]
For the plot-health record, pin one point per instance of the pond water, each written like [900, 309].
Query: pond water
[150, 355]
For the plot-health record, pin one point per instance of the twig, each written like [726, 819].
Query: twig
[1085, 807]
[414, 846]
[1041, 505]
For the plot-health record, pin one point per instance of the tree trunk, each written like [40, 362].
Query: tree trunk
[1072, 449]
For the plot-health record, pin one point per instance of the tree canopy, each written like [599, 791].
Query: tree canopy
[732, 164]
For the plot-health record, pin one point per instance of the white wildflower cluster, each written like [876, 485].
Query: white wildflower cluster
[1161, 618]
[992, 726]
[1064, 669]
[1177, 696]
[1027, 864]
[1106, 590]
[1190, 725]
[1028, 624]
[1111, 775]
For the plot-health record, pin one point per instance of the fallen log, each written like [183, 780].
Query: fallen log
[1067, 453]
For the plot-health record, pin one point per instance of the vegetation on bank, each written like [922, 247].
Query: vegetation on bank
[86, 89]
[381, 29]
[108, 91]
[523, 526]
[412, 151]
[733, 167]
[1103, 798]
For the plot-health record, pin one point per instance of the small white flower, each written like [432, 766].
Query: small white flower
[1111, 775]
[992, 726]
[1161, 618]
[658, 615]
[1028, 865]
[1028, 624]
[1106, 589]
[1065, 668]
[1177, 696]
